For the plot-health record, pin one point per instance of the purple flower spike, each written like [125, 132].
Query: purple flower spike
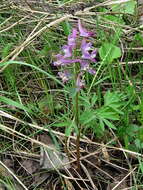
[67, 50]
[83, 31]
[65, 76]
[79, 83]
[72, 38]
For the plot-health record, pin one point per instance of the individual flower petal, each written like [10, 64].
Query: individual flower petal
[68, 61]
[80, 83]
[67, 51]
[72, 38]
[85, 46]
[65, 76]
[93, 54]
[63, 61]
[91, 71]
[86, 55]
[83, 31]
[84, 65]
[59, 60]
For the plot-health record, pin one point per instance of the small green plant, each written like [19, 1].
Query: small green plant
[98, 117]
[73, 67]
[86, 113]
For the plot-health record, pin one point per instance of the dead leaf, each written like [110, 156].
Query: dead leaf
[2, 187]
[69, 185]
[118, 179]
[52, 159]
[105, 153]
[30, 166]
[39, 178]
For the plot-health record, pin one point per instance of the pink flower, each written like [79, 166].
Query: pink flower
[85, 48]
[83, 31]
[88, 54]
[93, 54]
[63, 61]
[72, 38]
[65, 76]
[91, 71]
[67, 51]
[85, 67]
[80, 83]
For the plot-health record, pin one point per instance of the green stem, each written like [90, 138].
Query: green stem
[79, 131]
[76, 115]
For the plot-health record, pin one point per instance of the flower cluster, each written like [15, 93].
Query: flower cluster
[88, 54]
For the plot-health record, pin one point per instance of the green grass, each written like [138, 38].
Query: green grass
[111, 104]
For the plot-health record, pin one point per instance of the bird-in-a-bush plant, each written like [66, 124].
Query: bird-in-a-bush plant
[76, 59]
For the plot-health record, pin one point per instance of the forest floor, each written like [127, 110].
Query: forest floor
[78, 131]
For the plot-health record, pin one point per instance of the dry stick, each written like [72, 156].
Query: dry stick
[124, 178]
[86, 140]
[99, 169]
[34, 11]
[89, 177]
[19, 49]
[20, 135]
[11, 26]
[5, 21]
[18, 180]
[106, 3]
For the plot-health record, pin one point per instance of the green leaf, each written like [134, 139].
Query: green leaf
[94, 99]
[68, 130]
[115, 19]
[138, 143]
[140, 164]
[108, 52]
[72, 91]
[109, 124]
[87, 116]
[127, 7]
[111, 98]
[33, 67]
[14, 103]
[66, 27]
[6, 50]
[130, 7]
[102, 126]
[10, 76]
[61, 124]
[107, 113]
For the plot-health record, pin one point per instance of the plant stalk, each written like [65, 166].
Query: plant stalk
[79, 131]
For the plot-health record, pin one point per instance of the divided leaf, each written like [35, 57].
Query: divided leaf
[108, 52]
